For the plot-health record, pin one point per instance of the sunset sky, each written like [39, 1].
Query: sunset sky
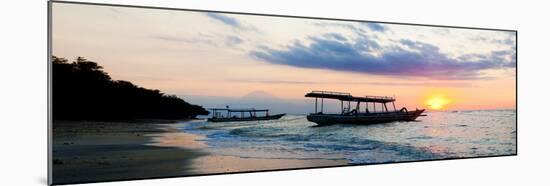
[199, 54]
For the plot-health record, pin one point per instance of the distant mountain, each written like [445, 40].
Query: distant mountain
[259, 95]
[255, 99]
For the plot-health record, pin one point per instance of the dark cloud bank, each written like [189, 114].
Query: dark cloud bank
[407, 58]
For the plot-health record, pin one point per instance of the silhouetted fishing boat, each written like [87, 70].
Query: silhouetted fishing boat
[355, 116]
[227, 115]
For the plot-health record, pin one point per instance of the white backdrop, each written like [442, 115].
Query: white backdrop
[23, 92]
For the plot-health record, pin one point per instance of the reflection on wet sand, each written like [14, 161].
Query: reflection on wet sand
[209, 162]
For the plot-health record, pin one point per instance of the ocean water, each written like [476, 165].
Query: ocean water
[439, 135]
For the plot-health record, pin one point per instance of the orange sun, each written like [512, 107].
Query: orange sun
[437, 102]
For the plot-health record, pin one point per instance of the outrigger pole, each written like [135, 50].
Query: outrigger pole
[315, 105]
[321, 105]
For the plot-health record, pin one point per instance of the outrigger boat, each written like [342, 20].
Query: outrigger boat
[227, 114]
[355, 116]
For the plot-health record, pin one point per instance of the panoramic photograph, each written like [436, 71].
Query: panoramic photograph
[150, 93]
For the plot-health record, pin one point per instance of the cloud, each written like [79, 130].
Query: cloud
[425, 84]
[169, 38]
[353, 27]
[212, 40]
[375, 27]
[336, 36]
[230, 21]
[364, 55]
[225, 19]
[233, 40]
[203, 39]
[339, 24]
[268, 81]
[509, 40]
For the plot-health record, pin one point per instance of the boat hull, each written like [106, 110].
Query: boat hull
[272, 117]
[364, 119]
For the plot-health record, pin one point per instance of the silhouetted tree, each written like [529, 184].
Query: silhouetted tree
[81, 90]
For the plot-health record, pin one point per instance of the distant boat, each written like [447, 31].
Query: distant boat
[228, 115]
[355, 116]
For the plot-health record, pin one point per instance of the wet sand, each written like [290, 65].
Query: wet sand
[219, 164]
[106, 151]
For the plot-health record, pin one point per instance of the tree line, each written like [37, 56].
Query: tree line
[81, 90]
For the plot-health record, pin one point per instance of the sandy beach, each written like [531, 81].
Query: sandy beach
[103, 151]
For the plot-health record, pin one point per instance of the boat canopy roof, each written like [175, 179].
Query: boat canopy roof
[342, 96]
[239, 110]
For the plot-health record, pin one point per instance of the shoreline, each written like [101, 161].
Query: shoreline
[92, 151]
[211, 163]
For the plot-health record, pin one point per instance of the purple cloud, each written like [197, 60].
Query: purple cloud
[410, 58]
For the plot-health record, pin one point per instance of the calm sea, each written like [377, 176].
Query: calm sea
[439, 135]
